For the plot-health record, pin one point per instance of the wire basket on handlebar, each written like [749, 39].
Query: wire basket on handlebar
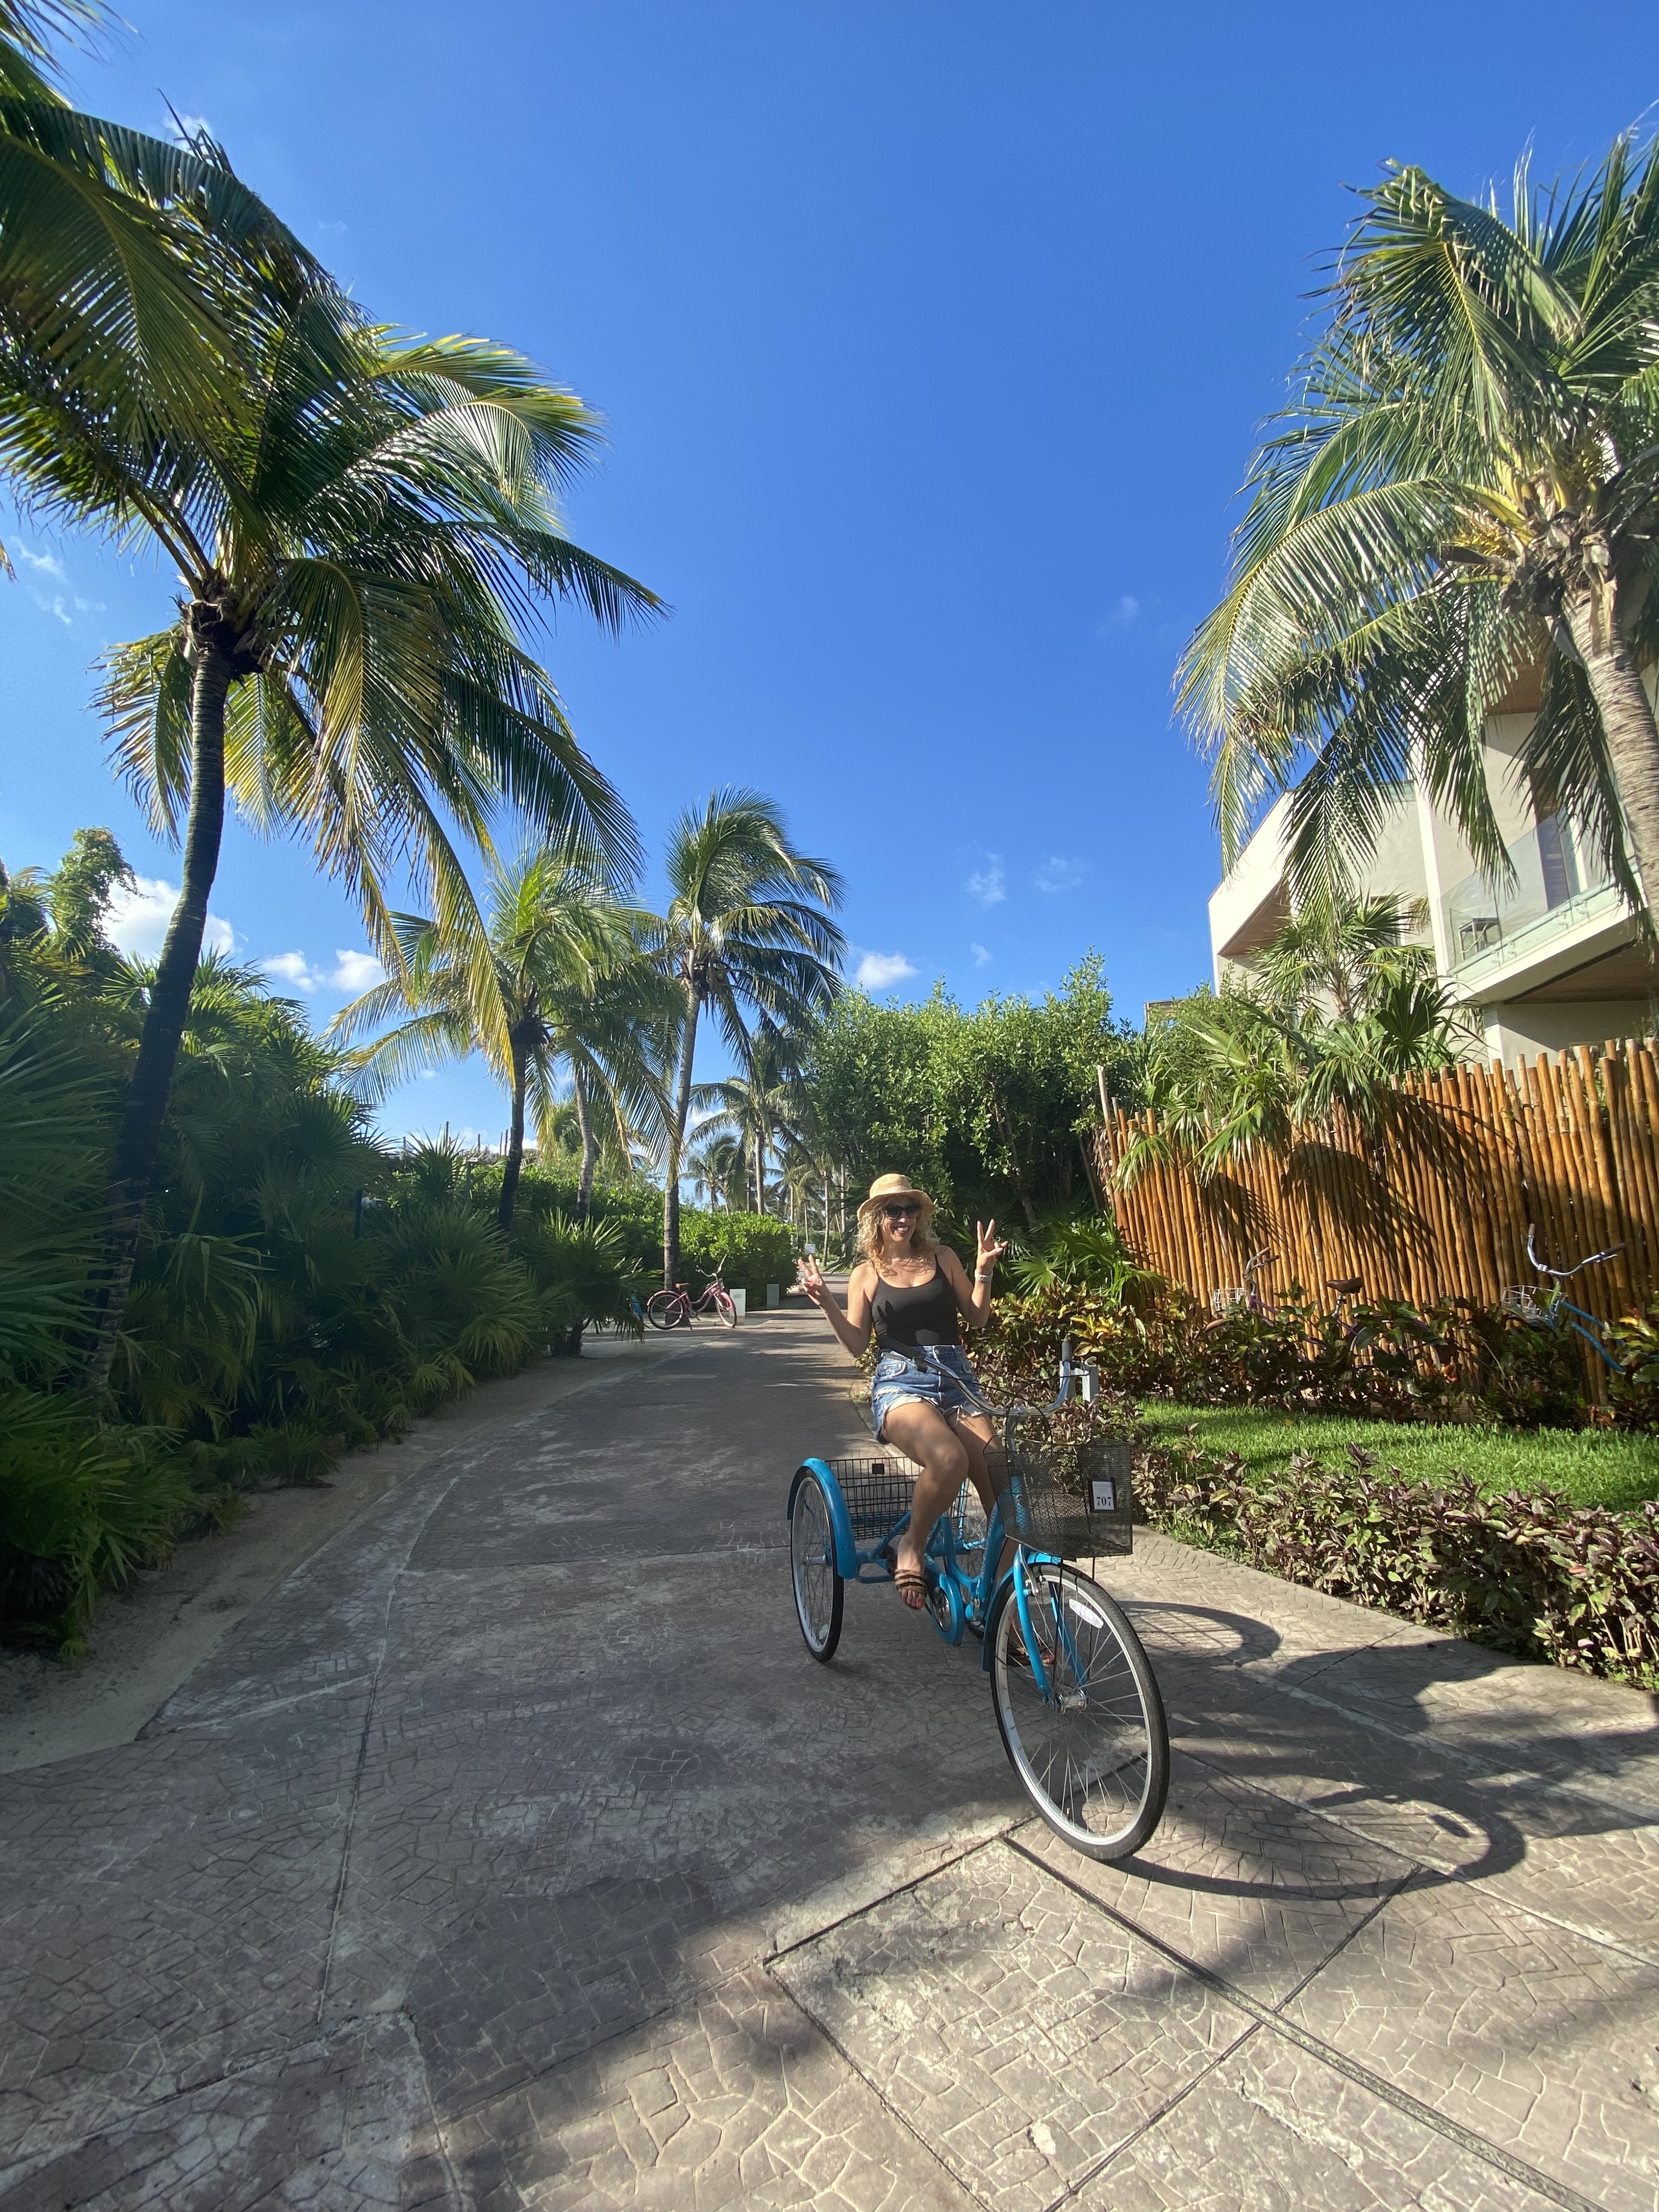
[1092, 1524]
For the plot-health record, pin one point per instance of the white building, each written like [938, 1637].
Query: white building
[1546, 961]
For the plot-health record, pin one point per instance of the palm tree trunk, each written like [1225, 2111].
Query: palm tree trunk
[671, 1196]
[513, 1165]
[590, 1145]
[1627, 721]
[133, 1164]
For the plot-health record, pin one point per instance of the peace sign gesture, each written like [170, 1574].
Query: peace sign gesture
[990, 1248]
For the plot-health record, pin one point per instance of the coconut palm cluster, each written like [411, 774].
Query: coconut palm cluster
[210, 1271]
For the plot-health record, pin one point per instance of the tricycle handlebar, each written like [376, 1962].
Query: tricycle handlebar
[1085, 1375]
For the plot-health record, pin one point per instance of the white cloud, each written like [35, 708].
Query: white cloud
[1060, 874]
[1128, 613]
[989, 884]
[357, 971]
[292, 969]
[138, 920]
[335, 229]
[878, 972]
[183, 128]
[981, 956]
[56, 603]
[353, 972]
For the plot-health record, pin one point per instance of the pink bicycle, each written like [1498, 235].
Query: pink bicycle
[674, 1309]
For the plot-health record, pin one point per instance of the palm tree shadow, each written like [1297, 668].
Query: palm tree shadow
[1264, 1751]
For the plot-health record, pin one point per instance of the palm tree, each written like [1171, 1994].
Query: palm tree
[746, 927]
[560, 981]
[759, 1107]
[718, 1168]
[1334, 950]
[108, 238]
[1338, 1012]
[354, 562]
[1463, 495]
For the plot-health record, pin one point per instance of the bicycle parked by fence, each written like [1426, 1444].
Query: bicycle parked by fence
[1245, 1297]
[674, 1309]
[1546, 1304]
[1076, 1702]
[1355, 1330]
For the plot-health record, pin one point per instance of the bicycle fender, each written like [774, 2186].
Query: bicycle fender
[847, 1552]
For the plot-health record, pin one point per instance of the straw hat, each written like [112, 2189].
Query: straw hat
[894, 1186]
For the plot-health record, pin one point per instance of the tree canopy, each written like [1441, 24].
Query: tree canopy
[984, 1107]
[1459, 506]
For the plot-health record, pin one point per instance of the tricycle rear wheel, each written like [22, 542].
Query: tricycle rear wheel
[819, 1590]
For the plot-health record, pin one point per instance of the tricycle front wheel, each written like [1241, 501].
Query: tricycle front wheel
[1094, 1752]
[819, 1590]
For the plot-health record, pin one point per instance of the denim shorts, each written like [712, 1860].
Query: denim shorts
[898, 1377]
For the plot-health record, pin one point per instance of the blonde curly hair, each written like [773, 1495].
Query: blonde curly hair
[872, 1242]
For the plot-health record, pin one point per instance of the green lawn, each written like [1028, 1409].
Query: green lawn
[1592, 1466]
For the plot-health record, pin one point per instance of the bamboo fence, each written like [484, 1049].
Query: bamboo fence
[1435, 1206]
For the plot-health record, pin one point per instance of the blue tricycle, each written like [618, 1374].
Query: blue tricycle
[1075, 1699]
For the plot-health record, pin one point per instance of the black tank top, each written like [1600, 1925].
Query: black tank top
[916, 1313]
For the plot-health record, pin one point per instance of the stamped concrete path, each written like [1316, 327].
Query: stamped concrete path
[512, 1852]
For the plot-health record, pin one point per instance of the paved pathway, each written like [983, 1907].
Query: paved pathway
[512, 1853]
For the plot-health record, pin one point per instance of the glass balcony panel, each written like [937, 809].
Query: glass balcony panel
[1556, 882]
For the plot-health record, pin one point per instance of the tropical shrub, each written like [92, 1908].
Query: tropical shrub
[749, 1250]
[1535, 1575]
[82, 1504]
[580, 1270]
[298, 1290]
[1455, 1361]
[1634, 1391]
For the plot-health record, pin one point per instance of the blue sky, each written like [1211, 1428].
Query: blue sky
[932, 336]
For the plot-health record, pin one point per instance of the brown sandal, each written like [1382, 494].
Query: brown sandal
[913, 1587]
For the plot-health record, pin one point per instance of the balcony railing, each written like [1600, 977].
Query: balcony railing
[1557, 884]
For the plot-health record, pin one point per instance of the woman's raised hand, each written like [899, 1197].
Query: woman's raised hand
[990, 1249]
[809, 1276]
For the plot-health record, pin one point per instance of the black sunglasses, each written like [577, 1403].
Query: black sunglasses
[899, 1212]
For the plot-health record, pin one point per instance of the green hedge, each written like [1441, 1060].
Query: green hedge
[748, 1249]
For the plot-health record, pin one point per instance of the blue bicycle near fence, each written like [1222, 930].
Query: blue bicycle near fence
[1553, 1309]
[1076, 1701]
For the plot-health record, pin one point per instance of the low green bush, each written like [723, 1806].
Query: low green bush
[748, 1250]
[82, 1503]
[1526, 1569]
[1528, 1573]
[299, 1290]
[1454, 1361]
